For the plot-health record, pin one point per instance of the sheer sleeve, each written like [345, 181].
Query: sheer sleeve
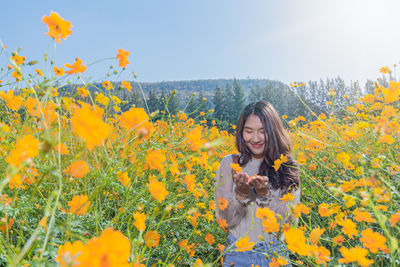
[224, 189]
[283, 208]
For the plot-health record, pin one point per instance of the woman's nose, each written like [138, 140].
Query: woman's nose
[257, 138]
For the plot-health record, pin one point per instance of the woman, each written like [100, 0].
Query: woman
[260, 139]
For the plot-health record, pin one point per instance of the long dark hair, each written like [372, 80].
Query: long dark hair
[278, 143]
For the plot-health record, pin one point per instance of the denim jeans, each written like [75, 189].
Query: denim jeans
[261, 254]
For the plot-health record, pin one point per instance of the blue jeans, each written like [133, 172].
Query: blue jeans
[257, 256]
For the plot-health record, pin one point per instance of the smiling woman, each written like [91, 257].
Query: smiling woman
[261, 140]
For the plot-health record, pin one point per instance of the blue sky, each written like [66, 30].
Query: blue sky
[289, 40]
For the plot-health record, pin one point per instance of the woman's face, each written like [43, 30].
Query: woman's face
[253, 136]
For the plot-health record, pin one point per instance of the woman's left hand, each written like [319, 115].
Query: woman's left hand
[260, 185]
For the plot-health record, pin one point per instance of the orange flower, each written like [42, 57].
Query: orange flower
[300, 208]
[395, 218]
[43, 223]
[39, 72]
[78, 169]
[140, 219]
[122, 56]
[223, 224]
[151, 239]
[133, 118]
[157, 190]
[89, 125]
[19, 60]
[58, 71]
[363, 216]
[27, 147]
[155, 160]
[277, 163]
[13, 102]
[279, 261]
[349, 227]
[387, 139]
[124, 178]
[356, 254]
[68, 253]
[111, 248]
[76, 67]
[392, 93]
[3, 227]
[296, 242]
[58, 27]
[209, 238]
[195, 138]
[243, 244]
[62, 149]
[322, 255]
[316, 234]
[222, 203]
[126, 85]
[287, 197]
[107, 85]
[79, 205]
[269, 220]
[324, 211]
[338, 239]
[236, 167]
[373, 241]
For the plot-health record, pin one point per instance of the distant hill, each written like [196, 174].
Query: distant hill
[202, 85]
[185, 89]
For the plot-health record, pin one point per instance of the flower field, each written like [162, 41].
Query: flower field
[84, 184]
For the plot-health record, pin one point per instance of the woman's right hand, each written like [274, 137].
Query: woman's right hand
[242, 186]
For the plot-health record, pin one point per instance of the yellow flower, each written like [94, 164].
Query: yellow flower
[82, 92]
[58, 71]
[102, 99]
[287, 197]
[385, 70]
[107, 85]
